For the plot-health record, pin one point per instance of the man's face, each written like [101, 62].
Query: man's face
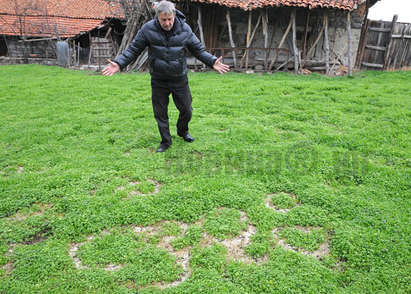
[166, 20]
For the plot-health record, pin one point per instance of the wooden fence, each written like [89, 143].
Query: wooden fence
[385, 45]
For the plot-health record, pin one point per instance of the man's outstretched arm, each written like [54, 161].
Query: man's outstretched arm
[111, 68]
[128, 56]
[197, 49]
[220, 67]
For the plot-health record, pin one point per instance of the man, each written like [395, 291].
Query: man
[166, 37]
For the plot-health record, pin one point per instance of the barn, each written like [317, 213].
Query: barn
[30, 30]
[272, 35]
[251, 35]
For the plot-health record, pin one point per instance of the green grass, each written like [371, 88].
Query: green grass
[77, 160]
[224, 223]
[283, 201]
[305, 240]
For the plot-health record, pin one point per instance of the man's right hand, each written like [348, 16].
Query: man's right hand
[111, 68]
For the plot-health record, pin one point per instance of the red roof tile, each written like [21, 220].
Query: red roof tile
[40, 26]
[98, 9]
[42, 17]
[253, 4]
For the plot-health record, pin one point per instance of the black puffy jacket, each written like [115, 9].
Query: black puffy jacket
[166, 50]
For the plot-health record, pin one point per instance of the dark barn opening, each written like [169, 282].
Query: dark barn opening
[3, 47]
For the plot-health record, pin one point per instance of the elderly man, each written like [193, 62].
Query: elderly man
[166, 37]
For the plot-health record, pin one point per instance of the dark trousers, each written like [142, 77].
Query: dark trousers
[180, 91]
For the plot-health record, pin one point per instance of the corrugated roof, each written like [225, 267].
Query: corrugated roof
[42, 17]
[253, 4]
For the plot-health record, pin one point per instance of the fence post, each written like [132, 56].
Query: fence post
[388, 49]
[295, 49]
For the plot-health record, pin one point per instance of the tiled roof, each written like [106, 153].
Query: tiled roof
[253, 4]
[41, 26]
[98, 9]
[42, 17]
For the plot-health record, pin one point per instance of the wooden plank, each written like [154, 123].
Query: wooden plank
[379, 39]
[306, 33]
[37, 40]
[400, 46]
[381, 30]
[200, 26]
[373, 65]
[265, 33]
[405, 53]
[349, 43]
[363, 41]
[230, 34]
[363, 36]
[327, 44]
[389, 46]
[295, 49]
[401, 36]
[378, 48]
[250, 15]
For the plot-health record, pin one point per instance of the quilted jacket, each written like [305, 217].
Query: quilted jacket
[166, 49]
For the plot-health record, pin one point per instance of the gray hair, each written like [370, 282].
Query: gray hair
[165, 6]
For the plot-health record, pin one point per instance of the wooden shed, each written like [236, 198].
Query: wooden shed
[271, 35]
[30, 29]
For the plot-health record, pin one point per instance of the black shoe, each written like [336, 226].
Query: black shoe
[162, 147]
[187, 137]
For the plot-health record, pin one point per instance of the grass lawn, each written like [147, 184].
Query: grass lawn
[295, 184]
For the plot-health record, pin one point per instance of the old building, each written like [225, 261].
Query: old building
[30, 30]
[280, 34]
[258, 35]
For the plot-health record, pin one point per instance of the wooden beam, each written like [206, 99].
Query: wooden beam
[250, 41]
[78, 53]
[401, 36]
[361, 46]
[378, 48]
[381, 30]
[91, 47]
[306, 33]
[250, 15]
[254, 31]
[281, 44]
[363, 36]
[37, 40]
[200, 27]
[295, 49]
[265, 33]
[327, 44]
[284, 63]
[315, 43]
[230, 34]
[349, 43]
[373, 65]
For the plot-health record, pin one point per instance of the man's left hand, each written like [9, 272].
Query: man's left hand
[220, 67]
